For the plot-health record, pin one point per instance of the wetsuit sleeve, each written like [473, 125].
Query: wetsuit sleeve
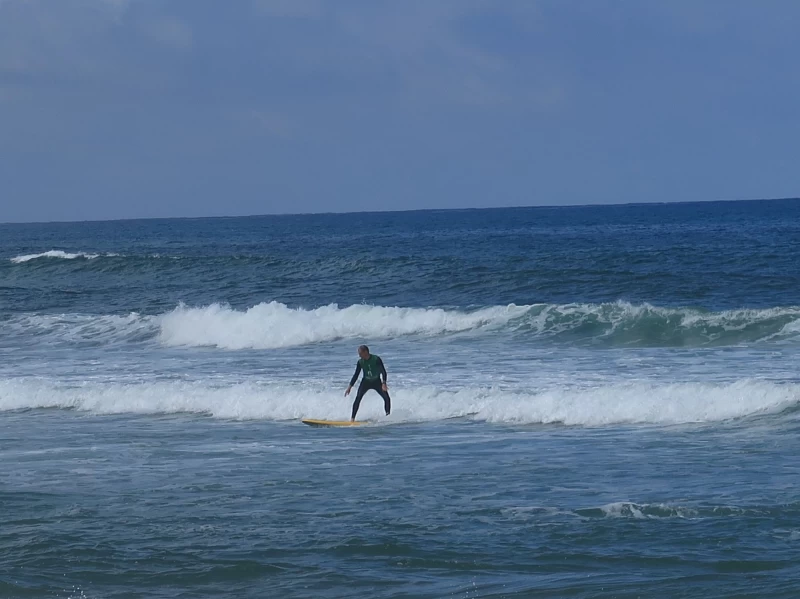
[382, 370]
[355, 376]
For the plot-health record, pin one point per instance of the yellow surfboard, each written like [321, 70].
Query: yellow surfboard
[312, 422]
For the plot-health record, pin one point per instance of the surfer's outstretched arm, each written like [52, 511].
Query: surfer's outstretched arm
[354, 379]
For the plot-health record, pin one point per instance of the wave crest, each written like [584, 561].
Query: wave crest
[644, 325]
[55, 254]
[275, 325]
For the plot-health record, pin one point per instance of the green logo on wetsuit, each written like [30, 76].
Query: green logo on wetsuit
[370, 367]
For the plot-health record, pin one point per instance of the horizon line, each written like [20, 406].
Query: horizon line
[396, 211]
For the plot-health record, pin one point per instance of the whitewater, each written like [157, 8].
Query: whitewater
[616, 404]
[141, 352]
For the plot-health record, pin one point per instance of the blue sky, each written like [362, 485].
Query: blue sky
[152, 108]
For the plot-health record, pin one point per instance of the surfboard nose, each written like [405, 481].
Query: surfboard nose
[313, 422]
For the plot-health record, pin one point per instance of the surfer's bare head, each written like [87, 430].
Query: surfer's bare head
[363, 351]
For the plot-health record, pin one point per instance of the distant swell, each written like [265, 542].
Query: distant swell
[80, 329]
[644, 325]
[274, 325]
[635, 403]
[658, 511]
[55, 254]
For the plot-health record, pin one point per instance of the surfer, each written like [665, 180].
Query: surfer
[374, 378]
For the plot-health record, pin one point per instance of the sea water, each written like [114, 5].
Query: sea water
[587, 402]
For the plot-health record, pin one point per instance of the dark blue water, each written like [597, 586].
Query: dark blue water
[587, 402]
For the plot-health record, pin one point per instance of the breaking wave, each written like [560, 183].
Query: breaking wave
[275, 325]
[634, 403]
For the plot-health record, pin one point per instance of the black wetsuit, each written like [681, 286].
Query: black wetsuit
[374, 378]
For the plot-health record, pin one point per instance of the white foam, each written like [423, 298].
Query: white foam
[623, 509]
[789, 329]
[632, 403]
[616, 404]
[275, 325]
[56, 254]
[660, 511]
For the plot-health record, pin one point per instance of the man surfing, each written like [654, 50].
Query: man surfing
[374, 378]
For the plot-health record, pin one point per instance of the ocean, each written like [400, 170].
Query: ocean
[587, 402]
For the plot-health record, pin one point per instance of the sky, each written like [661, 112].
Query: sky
[161, 108]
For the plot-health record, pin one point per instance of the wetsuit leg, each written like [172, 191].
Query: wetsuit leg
[375, 386]
[387, 401]
[362, 389]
